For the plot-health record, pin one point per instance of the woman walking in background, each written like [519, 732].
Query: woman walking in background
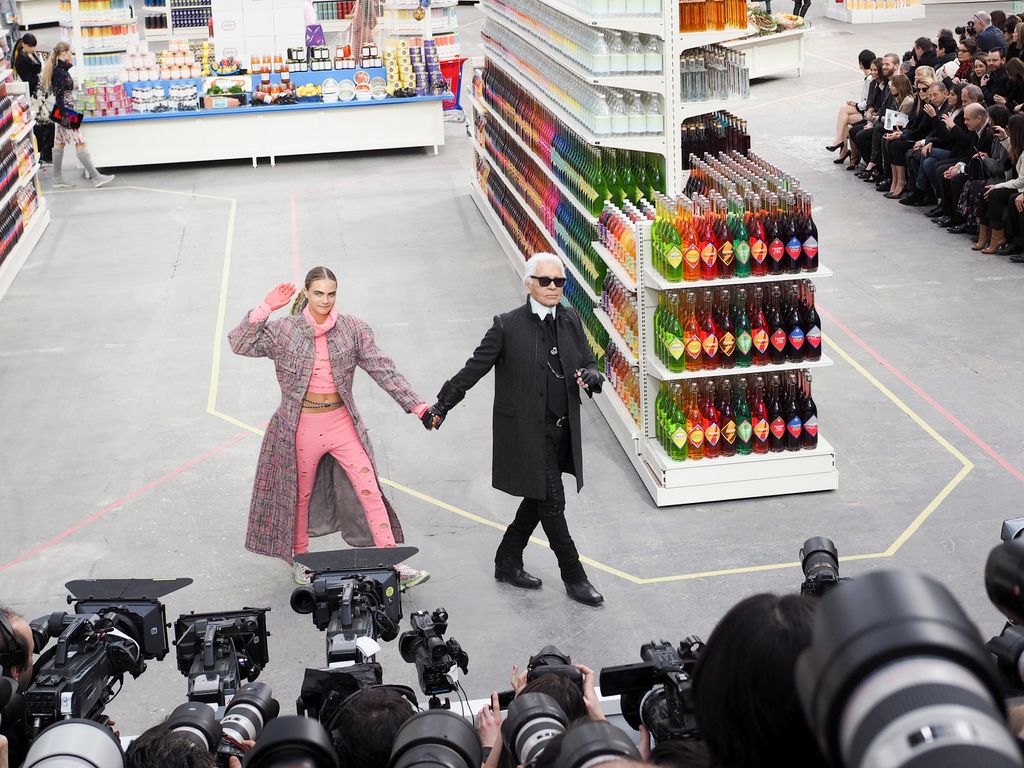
[29, 67]
[57, 78]
[316, 474]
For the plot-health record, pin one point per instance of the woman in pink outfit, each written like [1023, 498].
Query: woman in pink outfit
[316, 474]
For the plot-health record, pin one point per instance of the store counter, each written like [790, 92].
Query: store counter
[267, 131]
[773, 53]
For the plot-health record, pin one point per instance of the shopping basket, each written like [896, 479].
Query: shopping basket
[451, 71]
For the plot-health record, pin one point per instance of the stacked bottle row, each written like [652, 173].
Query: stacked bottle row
[28, 202]
[713, 72]
[514, 219]
[616, 7]
[591, 174]
[711, 134]
[573, 233]
[603, 111]
[624, 379]
[619, 303]
[6, 114]
[615, 229]
[733, 328]
[701, 16]
[598, 51]
[12, 226]
[597, 337]
[739, 415]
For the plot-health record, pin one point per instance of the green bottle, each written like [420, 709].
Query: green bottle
[637, 163]
[674, 346]
[741, 321]
[625, 175]
[744, 426]
[676, 426]
[611, 175]
[597, 181]
[659, 416]
[740, 240]
[656, 176]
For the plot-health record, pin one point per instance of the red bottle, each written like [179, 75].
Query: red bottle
[758, 239]
[759, 331]
[759, 418]
[711, 423]
[708, 335]
[708, 250]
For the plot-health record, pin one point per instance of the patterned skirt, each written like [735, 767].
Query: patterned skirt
[967, 205]
[62, 135]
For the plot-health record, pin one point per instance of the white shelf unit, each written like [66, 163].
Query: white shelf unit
[71, 31]
[669, 482]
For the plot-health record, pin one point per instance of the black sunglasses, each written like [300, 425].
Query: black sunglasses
[922, 90]
[546, 281]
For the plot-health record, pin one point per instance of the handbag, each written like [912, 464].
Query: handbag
[976, 169]
[68, 118]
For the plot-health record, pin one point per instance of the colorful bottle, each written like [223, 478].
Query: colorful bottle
[759, 418]
[727, 420]
[741, 321]
[812, 326]
[708, 334]
[794, 328]
[740, 241]
[759, 331]
[711, 423]
[778, 333]
[809, 414]
[726, 332]
[776, 424]
[694, 427]
[809, 236]
[744, 424]
[691, 335]
[794, 421]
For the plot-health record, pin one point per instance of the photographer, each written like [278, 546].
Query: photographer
[16, 645]
[160, 747]
[987, 37]
[364, 730]
[744, 686]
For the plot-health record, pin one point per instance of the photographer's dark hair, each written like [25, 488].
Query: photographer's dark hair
[564, 691]
[676, 753]
[948, 44]
[364, 729]
[924, 43]
[999, 115]
[998, 18]
[316, 273]
[162, 748]
[749, 661]
[864, 58]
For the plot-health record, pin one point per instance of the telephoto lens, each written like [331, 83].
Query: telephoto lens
[589, 742]
[533, 720]
[437, 737]
[292, 742]
[198, 723]
[75, 744]
[1004, 579]
[897, 676]
[249, 712]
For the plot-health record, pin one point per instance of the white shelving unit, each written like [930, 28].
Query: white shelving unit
[71, 31]
[523, 58]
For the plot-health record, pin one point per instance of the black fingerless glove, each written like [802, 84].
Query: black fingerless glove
[430, 414]
[593, 379]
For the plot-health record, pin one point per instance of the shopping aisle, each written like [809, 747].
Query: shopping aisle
[111, 333]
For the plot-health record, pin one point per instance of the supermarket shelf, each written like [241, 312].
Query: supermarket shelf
[738, 477]
[658, 370]
[19, 254]
[158, 35]
[647, 25]
[482, 107]
[618, 418]
[18, 185]
[191, 33]
[613, 264]
[656, 282]
[629, 82]
[620, 342]
[334, 25]
[686, 109]
[698, 39]
[505, 241]
[88, 51]
[67, 23]
[22, 133]
[625, 141]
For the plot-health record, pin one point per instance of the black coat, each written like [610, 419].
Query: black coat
[516, 347]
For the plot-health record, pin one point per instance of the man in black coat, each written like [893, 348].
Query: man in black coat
[541, 360]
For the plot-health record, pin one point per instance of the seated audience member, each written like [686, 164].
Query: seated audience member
[974, 140]
[903, 98]
[967, 182]
[897, 143]
[996, 199]
[998, 19]
[749, 660]
[924, 55]
[935, 106]
[947, 138]
[979, 69]
[948, 63]
[876, 107]
[852, 112]
[1014, 99]
[965, 57]
[986, 36]
[995, 83]
[1016, 47]
[364, 729]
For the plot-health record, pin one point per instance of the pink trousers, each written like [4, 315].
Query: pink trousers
[333, 432]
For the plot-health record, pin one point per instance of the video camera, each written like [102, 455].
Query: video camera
[658, 693]
[216, 651]
[118, 624]
[434, 657]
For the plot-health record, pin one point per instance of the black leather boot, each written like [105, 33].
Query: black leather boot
[583, 592]
[513, 573]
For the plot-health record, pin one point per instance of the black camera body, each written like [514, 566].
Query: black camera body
[819, 559]
[424, 645]
[658, 692]
[968, 29]
[549, 660]
[216, 651]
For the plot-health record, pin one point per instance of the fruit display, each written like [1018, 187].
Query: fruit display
[226, 66]
[769, 23]
[309, 92]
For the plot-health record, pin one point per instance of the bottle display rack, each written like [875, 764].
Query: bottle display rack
[583, 101]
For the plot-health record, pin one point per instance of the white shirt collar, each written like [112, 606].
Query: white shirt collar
[540, 310]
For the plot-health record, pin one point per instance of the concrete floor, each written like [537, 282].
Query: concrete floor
[113, 466]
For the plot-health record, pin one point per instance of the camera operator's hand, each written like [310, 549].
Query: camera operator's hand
[590, 697]
[645, 744]
[234, 762]
[518, 678]
[488, 722]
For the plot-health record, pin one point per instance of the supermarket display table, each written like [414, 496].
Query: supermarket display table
[772, 54]
[270, 131]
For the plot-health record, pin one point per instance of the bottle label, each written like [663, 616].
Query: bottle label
[778, 427]
[693, 347]
[814, 336]
[761, 430]
[712, 433]
[729, 432]
[710, 345]
[727, 344]
[708, 254]
[759, 251]
[692, 257]
[779, 339]
[811, 426]
[795, 426]
[776, 250]
[745, 431]
[793, 248]
[743, 342]
[796, 338]
[760, 340]
[674, 257]
[725, 254]
[679, 437]
[696, 436]
[675, 348]
[742, 251]
[810, 247]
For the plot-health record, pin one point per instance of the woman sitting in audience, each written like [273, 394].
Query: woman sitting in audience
[979, 69]
[992, 208]
[965, 55]
[995, 168]
[852, 112]
[861, 133]
[1014, 99]
[869, 138]
[897, 143]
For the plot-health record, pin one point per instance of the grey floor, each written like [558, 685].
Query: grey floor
[112, 464]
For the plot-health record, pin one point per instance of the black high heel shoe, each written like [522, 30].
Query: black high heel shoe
[842, 158]
[833, 147]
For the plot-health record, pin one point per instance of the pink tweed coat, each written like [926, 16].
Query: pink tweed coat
[334, 505]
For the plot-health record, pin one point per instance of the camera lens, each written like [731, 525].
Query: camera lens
[293, 742]
[897, 675]
[820, 559]
[75, 744]
[249, 712]
[533, 719]
[303, 600]
[437, 737]
[593, 740]
[1003, 580]
[198, 723]
[1008, 649]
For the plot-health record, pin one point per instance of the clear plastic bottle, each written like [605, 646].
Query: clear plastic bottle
[653, 56]
[602, 116]
[654, 115]
[618, 59]
[637, 114]
[620, 116]
[616, 7]
[600, 53]
[635, 60]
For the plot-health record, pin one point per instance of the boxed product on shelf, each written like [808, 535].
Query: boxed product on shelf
[100, 99]
[226, 92]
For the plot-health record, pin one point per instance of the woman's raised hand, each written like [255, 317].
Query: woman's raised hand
[280, 296]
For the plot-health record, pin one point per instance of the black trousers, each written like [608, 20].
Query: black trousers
[549, 512]
[44, 137]
[935, 177]
[993, 210]
[863, 138]
[951, 191]
[898, 149]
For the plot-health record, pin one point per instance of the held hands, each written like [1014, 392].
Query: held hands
[433, 417]
[280, 296]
